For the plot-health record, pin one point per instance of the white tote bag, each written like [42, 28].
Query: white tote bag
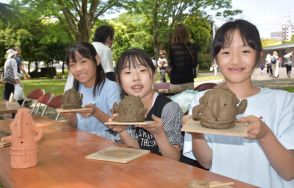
[18, 92]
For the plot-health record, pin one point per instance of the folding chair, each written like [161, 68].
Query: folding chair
[205, 86]
[33, 96]
[44, 99]
[55, 102]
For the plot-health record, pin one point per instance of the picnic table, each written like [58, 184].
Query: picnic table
[62, 163]
[8, 107]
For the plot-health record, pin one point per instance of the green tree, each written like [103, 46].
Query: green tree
[130, 32]
[7, 13]
[163, 14]
[78, 16]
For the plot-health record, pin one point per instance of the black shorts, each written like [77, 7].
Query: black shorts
[8, 89]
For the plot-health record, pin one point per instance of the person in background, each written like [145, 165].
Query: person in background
[275, 64]
[102, 42]
[99, 93]
[268, 64]
[20, 67]
[162, 65]
[215, 68]
[265, 157]
[288, 63]
[10, 75]
[136, 75]
[183, 59]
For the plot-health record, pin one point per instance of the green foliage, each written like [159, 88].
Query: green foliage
[200, 31]
[130, 33]
[7, 14]
[77, 16]
[8, 39]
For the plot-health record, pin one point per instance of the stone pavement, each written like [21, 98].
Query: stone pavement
[263, 79]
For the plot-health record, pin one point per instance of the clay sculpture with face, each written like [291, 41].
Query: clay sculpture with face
[72, 99]
[130, 109]
[218, 108]
[24, 137]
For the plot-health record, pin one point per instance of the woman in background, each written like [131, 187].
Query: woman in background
[183, 58]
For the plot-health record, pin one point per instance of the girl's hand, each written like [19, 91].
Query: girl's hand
[257, 129]
[116, 128]
[155, 127]
[89, 112]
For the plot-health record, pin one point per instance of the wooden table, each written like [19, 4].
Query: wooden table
[8, 107]
[62, 163]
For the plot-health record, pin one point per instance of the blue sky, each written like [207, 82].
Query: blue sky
[267, 15]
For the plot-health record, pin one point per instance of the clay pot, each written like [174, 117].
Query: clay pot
[130, 109]
[218, 108]
[72, 99]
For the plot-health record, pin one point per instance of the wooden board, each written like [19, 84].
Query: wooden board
[240, 129]
[127, 123]
[118, 154]
[63, 110]
[220, 184]
[4, 144]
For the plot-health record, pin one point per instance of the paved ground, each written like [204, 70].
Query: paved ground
[263, 80]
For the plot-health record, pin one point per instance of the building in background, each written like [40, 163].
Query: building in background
[277, 35]
[287, 30]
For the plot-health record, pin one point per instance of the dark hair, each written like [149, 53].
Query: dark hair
[88, 51]
[133, 57]
[102, 33]
[248, 32]
[181, 35]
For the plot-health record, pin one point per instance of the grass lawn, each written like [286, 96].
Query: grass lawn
[49, 85]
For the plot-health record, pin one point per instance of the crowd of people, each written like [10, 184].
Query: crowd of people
[273, 63]
[264, 158]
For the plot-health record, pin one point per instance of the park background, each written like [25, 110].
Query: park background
[43, 30]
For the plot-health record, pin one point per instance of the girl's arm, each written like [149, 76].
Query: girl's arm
[201, 150]
[71, 119]
[96, 112]
[281, 159]
[128, 140]
[100, 115]
[166, 148]
[123, 133]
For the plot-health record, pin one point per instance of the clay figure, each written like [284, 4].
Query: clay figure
[218, 108]
[130, 109]
[72, 99]
[23, 139]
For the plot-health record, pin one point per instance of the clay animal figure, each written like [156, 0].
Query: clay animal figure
[24, 137]
[72, 99]
[130, 109]
[218, 108]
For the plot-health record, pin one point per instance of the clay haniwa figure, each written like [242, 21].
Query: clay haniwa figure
[218, 108]
[24, 138]
[130, 109]
[72, 99]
